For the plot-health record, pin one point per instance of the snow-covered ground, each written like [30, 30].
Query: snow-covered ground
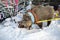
[49, 33]
[14, 33]
[9, 30]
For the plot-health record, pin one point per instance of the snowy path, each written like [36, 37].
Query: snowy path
[49, 33]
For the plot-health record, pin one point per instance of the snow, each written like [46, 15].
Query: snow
[9, 31]
[49, 33]
[28, 7]
[18, 17]
[34, 26]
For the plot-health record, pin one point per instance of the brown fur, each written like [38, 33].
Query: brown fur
[40, 13]
[26, 22]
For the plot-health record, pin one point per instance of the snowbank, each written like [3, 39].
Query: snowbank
[14, 33]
